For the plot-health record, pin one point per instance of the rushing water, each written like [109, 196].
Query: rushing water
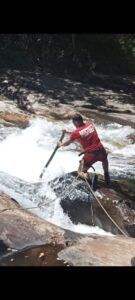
[24, 152]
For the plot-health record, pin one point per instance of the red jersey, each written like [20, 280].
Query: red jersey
[87, 136]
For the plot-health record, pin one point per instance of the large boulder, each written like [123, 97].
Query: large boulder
[16, 119]
[20, 228]
[75, 198]
[100, 251]
[32, 241]
[82, 207]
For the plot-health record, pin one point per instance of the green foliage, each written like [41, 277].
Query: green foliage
[105, 53]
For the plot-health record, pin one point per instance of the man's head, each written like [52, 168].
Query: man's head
[77, 120]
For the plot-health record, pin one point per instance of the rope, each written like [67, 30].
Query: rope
[105, 209]
[25, 208]
[92, 213]
[18, 208]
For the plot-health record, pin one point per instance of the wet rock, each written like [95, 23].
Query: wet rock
[132, 138]
[78, 202]
[40, 243]
[100, 251]
[130, 228]
[25, 228]
[31, 257]
[21, 119]
[43, 92]
[133, 261]
[87, 251]
[3, 248]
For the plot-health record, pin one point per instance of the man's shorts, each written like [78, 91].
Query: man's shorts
[91, 158]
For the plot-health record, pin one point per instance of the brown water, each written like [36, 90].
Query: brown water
[45, 255]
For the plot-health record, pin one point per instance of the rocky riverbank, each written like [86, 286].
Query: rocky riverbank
[29, 240]
[44, 94]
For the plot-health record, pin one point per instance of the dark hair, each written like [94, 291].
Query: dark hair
[77, 118]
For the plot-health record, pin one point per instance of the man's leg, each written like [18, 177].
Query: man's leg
[105, 165]
[82, 170]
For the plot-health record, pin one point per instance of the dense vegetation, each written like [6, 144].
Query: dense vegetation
[105, 53]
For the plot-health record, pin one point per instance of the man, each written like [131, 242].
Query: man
[86, 134]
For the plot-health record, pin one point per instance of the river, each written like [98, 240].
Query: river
[24, 152]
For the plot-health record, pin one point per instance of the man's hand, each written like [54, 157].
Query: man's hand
[66, 131]
[59, 144]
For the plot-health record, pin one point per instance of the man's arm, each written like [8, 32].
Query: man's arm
[66, 143]
[69, 140]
